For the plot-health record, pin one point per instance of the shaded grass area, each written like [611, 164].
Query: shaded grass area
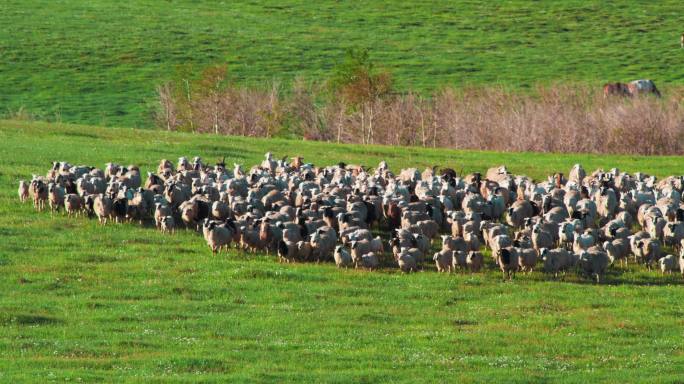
[124, 303]
[98, 62]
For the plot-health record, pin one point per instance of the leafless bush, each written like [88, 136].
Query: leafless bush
[557, 118]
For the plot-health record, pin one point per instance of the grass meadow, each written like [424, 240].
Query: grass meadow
[124, 303]
[98, 62]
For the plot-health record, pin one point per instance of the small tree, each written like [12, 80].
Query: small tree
[356, 83]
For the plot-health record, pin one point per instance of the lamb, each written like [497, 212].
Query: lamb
[474, 261]
[23, 191]
[342, 257]
[507, 258]
[668, 264]
[167, 224]
[443, 260]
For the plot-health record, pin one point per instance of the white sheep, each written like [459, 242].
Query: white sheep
[342, 257]
[23, 191]
[668, 264]
[443, 260]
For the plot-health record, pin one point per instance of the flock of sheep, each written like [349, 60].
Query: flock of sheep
[307, 213]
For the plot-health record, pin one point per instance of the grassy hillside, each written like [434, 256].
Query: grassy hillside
[124, 303]
[98, 61]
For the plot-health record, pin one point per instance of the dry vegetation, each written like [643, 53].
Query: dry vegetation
[363, 109]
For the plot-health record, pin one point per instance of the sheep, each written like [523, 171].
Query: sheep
[583, 242]
[566, 235]
[474, 261]
[518, 212]
[220, 210]
[594, 263]
[681, 261]
[527, 259]
[342, 257]
[618, 249]
[323, 243]
[459, 259]
[507, 259]
[673, 233]
[23, 191]
[541, 238]
[217, 236]
[167, 224]
[161, 210]
[73, 204]
[358, 249]
[56, 196]
[407, 263]
[376, 246]
[556, 260]
[370, 261]
[648, 251]
[287, 251]
[668, 264]
[103, 208]
[443, 260]
[499, 242]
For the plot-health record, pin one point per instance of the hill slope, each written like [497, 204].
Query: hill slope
[125, 303]
[99, 61]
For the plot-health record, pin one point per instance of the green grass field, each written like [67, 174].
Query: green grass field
[124, 303]
[98, 62]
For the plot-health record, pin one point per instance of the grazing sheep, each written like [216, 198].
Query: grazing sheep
[443, 260]
[167, 224]
[474, 261]
[668, 264]
[23, 191]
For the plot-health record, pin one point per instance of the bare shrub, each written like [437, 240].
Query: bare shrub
[559, 118]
